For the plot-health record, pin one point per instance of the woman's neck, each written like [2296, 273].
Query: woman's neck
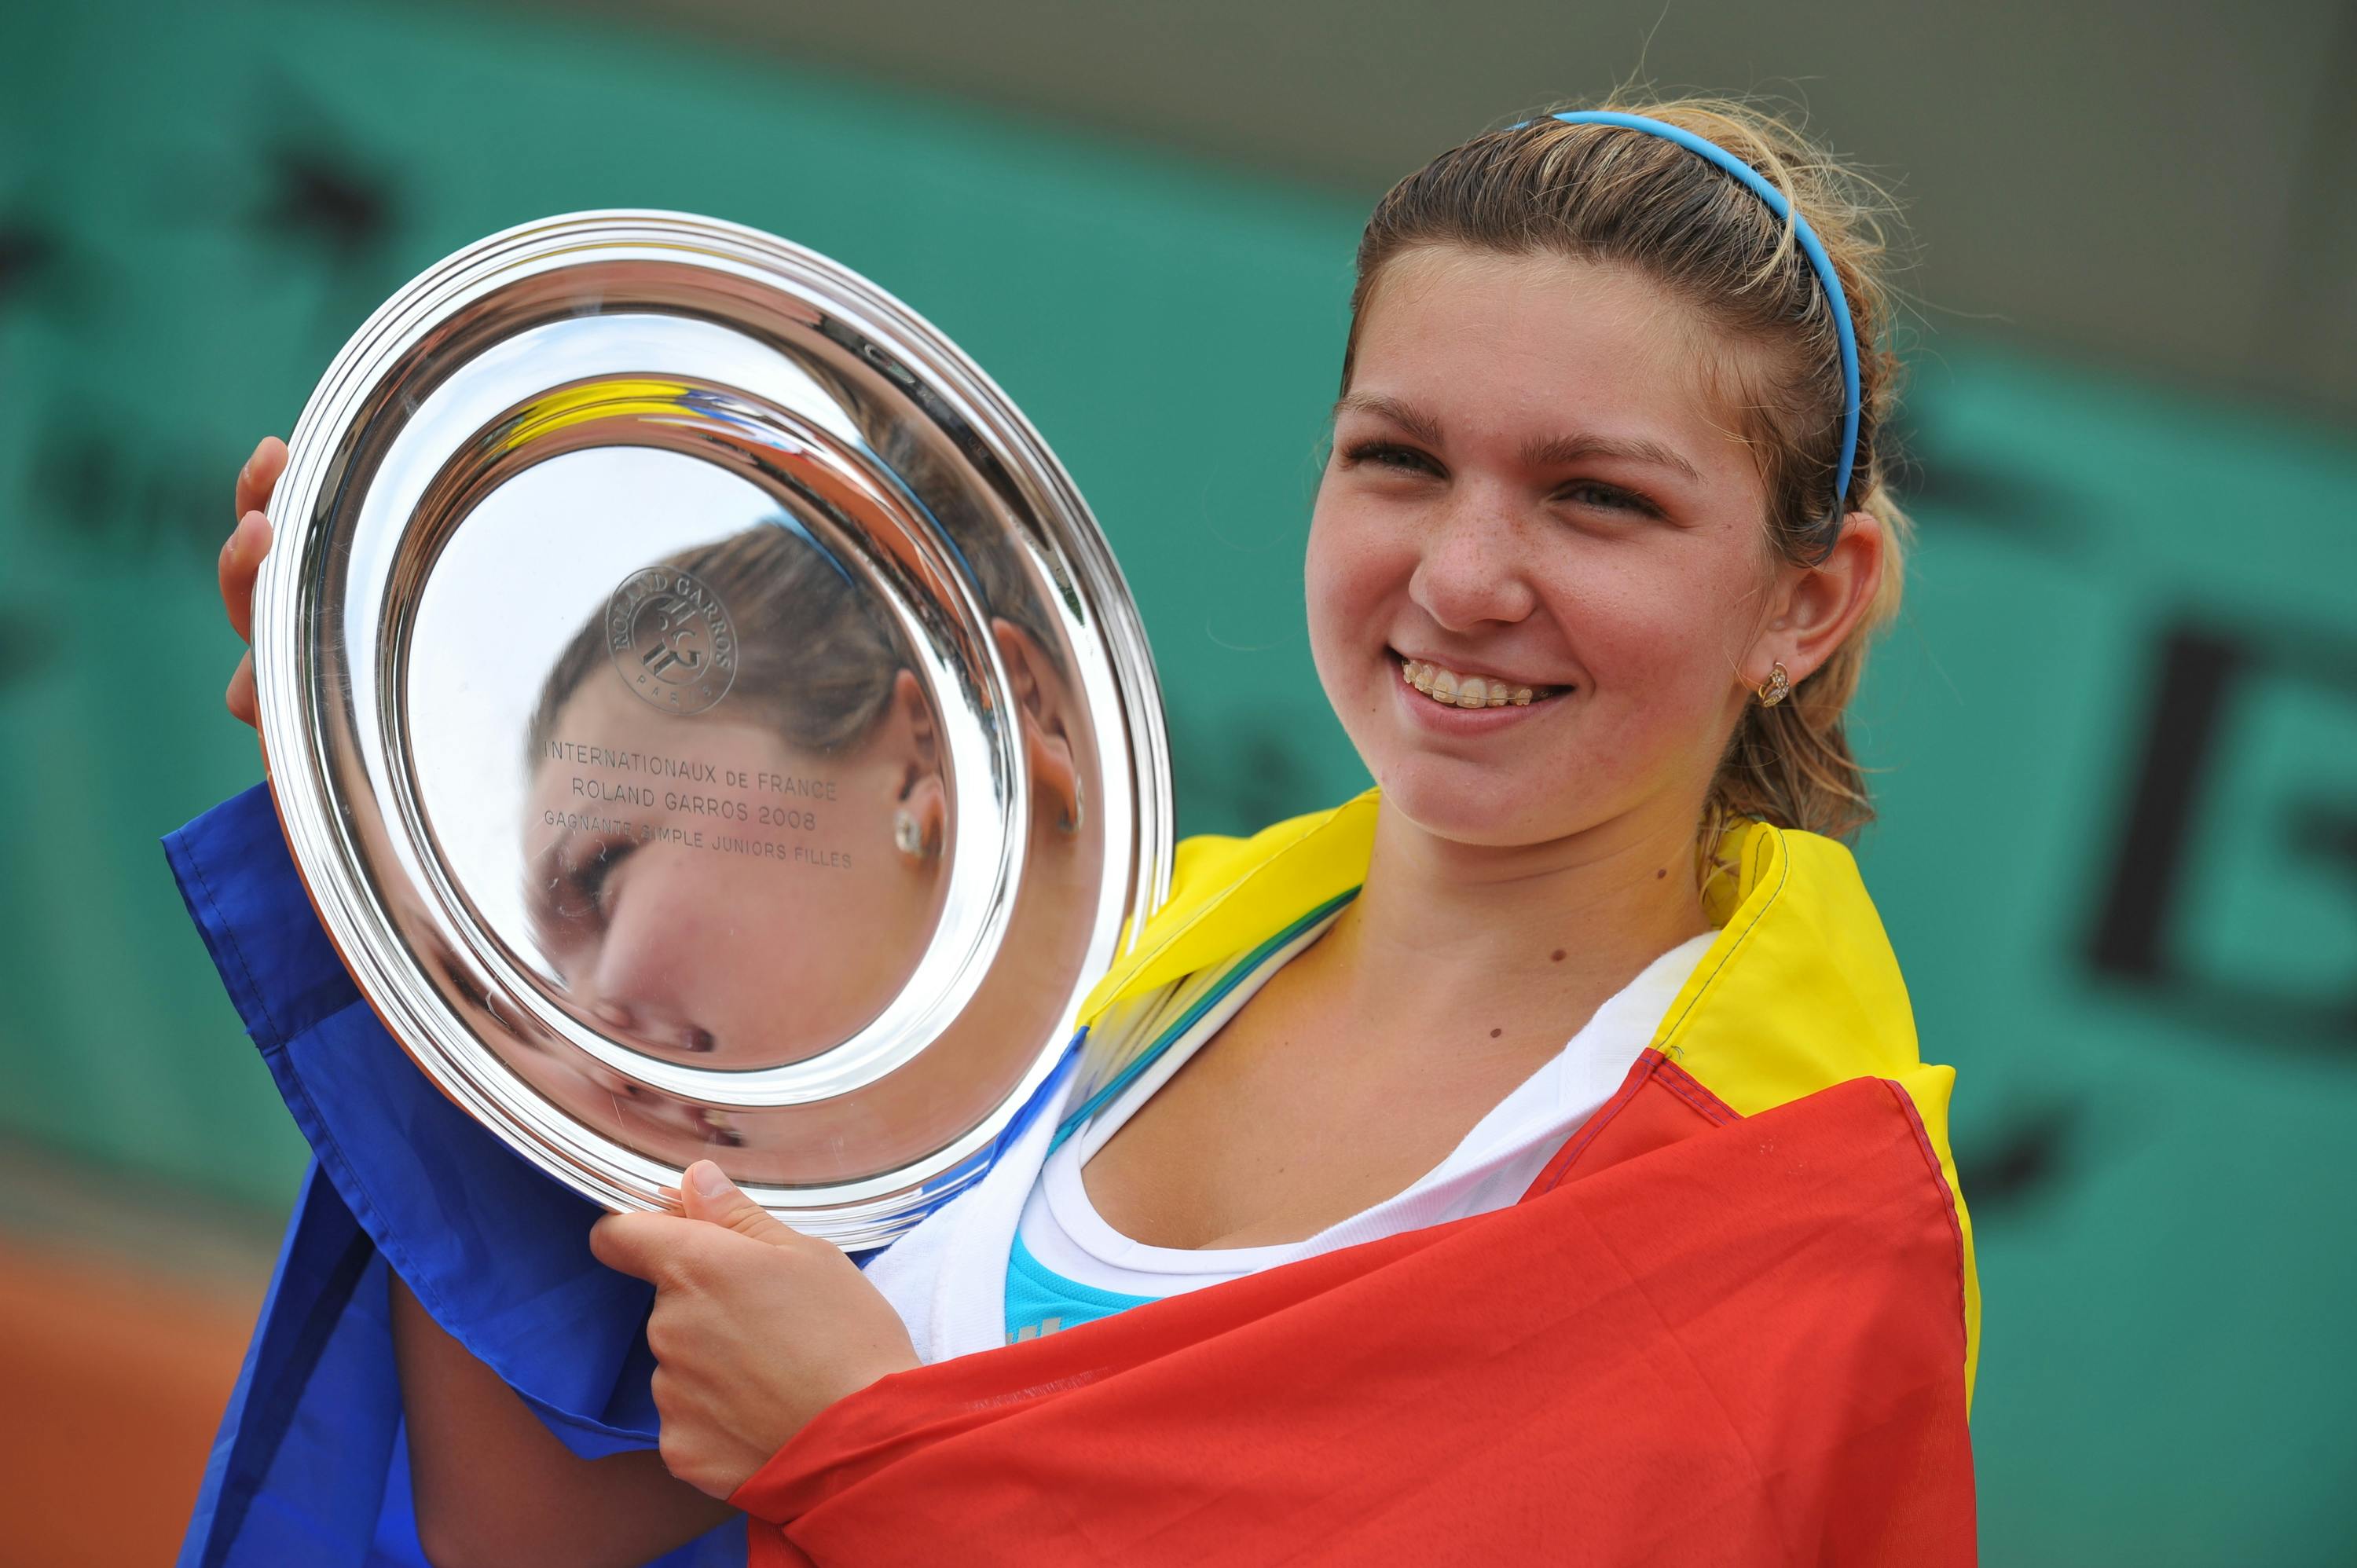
[1450, 941]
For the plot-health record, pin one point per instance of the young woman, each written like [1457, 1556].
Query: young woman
[1529, 1160]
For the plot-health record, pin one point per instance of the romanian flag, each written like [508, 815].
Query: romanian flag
[1732, 1322]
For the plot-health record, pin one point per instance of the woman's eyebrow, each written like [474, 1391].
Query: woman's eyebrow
[1417, 423]
[1549, 452]
[1561, 450]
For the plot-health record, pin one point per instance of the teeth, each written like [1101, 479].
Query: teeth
[1448, 687]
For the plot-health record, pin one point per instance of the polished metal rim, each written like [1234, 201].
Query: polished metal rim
[443, 396]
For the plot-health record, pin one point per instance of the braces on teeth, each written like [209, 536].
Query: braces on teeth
[1452, 689]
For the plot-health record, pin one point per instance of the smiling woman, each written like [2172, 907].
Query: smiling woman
[1432, 1098]
[1530, 1158]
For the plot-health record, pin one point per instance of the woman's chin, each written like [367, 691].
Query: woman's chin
[1466, 805]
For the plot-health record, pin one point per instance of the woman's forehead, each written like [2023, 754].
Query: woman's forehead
[1454, 336]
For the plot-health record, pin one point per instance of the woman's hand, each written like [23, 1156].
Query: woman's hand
[240, 562]
[756, 1327]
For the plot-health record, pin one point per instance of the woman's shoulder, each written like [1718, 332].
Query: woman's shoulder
[1801, 991]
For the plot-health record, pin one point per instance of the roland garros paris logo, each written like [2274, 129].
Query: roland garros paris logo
[672, 639]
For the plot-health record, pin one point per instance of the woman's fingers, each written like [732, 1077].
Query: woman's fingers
[249, 541]
[241, 692]
[240, 562]
[259, 476]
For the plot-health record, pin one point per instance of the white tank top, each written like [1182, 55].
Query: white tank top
[1490, 1168]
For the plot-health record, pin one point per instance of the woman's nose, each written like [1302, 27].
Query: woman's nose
[1470, 571]
[644, 983]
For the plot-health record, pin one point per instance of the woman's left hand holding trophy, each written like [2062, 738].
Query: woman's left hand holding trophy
[756, 1327]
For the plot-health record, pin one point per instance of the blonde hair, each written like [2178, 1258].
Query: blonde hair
[1613, 195]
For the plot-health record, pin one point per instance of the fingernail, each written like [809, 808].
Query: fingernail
[708, 1180]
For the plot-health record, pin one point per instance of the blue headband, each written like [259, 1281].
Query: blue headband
[1801, 230]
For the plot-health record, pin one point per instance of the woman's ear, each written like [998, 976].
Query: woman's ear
[912, 721]
[921, 820]
[1814, 609]
[1040, 699]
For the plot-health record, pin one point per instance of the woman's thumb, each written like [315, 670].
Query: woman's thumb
[706, 1193]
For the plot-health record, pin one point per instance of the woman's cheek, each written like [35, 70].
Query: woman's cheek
[1659, 680]
[1357, 558]
[1330, 590]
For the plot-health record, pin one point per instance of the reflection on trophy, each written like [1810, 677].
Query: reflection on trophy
[711, 883]
[709, 720]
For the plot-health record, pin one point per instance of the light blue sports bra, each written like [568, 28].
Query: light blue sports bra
[1041, 1301]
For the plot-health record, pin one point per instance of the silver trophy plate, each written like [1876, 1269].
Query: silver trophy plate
[707, 716]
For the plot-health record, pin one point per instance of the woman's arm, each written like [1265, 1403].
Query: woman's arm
[494, 1486]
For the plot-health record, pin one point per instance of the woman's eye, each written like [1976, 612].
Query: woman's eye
[1610, 498]
[582, 895]
[1391, 455]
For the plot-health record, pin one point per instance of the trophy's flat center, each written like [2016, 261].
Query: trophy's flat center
[673, 639]
[679, 757]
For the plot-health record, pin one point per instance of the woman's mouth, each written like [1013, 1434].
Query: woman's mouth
[1454, 689]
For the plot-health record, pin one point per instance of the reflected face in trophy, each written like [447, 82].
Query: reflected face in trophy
[736, 816]
[706, 890]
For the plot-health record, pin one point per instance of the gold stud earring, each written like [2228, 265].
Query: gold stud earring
[1779, 686]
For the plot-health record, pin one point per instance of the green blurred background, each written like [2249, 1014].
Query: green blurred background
[2116, 729]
